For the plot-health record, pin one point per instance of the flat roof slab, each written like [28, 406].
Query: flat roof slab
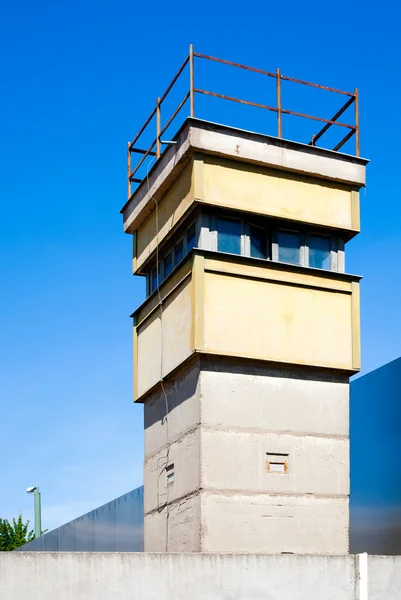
[196, 135]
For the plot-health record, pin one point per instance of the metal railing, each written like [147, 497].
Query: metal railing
[155, 148]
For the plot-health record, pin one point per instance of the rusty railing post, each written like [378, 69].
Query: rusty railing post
[191, 81]
[158, 117]
[129, 170]
[357, 138]
[279, 113]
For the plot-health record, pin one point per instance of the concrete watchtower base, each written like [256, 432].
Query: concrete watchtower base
[251, 458]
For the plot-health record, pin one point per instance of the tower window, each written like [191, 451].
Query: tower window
[258, 241]
[229, 235]
[319, 251]
[289, 247]
[168, 263]
[153, 280]
[191, 237]
[179, 251]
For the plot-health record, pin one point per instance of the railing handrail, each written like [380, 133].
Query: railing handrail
[279, 110]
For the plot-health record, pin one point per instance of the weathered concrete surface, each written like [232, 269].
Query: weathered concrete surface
[274, 523]
[175, 527]
[118, 576]
[183, 407]
[316, 465]
[283, 400]
[184, 455]
[223, 419]
[384, 577]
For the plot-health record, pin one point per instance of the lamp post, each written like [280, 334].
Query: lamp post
[38, 516]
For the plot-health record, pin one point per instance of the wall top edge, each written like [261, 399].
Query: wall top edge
[206, 137]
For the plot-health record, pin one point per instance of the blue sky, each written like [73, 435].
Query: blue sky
[79, 78]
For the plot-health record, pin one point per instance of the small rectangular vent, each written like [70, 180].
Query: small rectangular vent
[276, 463]
[170, 474]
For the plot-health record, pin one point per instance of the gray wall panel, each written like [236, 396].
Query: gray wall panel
[375, 438]
[115, 527]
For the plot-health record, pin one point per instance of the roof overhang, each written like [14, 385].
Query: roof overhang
[196, 135]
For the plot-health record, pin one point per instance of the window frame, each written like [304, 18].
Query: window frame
[171, 248]
[310, 234]
[181, 239]
[222, 216]
[165, 255]
[150, 279]
[276, 247]
[195, 223]
[268, 237]
[205, 224]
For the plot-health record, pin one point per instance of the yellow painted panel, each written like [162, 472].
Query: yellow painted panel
[278, 322]
[355, 208]
[163, 343]
[177, 327]
[170, 209]
[149, 352]
[166, 288]
[276, 193]
[356, 327]
[292, 277]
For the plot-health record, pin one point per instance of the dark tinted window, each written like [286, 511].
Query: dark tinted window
[191, 237]
[258, 240]
[289, 247]
[153, 280]
[319, 251]
[229, 236]
[179, 251]
[168, 263]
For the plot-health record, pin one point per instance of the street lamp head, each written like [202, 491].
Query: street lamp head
[30, 490]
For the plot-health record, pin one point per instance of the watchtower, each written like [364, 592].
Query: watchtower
[245, 343]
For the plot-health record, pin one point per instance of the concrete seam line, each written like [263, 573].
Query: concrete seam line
[362, 576]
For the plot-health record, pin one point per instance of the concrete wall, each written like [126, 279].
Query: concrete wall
[117, 576]
[384, 577]
[224, 417]
[172, 511]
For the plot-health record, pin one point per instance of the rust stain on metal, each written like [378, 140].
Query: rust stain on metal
[333, 119]
[232, 99]
[279, 111]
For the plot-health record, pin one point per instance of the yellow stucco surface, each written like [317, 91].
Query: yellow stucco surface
[244, 310]
[277, 193]
[245, 187]
[170, 210]
[164, 342]
[275, 321]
